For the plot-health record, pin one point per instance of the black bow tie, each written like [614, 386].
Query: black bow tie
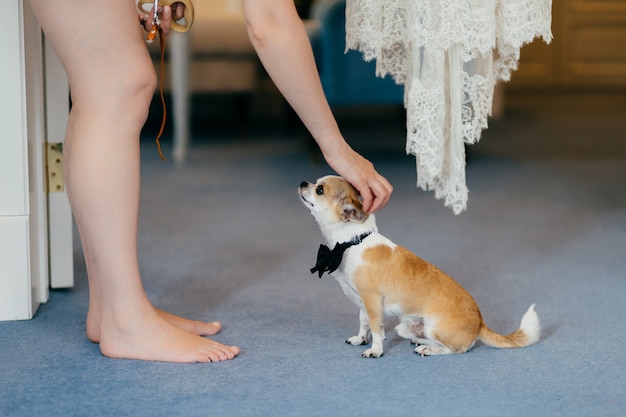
[329, 260]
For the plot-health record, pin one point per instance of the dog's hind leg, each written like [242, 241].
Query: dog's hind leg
[412, 328]
[431, 348]
[364, 327]
[445, 339]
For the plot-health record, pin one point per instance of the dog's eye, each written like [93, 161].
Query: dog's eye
[319, 190]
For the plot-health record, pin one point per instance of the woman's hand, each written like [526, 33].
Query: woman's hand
[176, 12]
[358, 171]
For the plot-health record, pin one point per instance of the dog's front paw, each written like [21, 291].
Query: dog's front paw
[357, 340]
[372, 353]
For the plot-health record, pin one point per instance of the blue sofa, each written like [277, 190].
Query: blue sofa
[347, 79]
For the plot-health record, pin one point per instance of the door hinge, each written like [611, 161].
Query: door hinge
[54, 167]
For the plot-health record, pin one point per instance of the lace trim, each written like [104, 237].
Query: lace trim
[449, 54]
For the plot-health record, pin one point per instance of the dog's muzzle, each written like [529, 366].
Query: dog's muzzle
[304, 185]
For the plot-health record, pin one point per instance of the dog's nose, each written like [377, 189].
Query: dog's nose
[304, 184]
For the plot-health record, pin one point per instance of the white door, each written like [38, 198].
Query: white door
[60, 244]
[35, 244]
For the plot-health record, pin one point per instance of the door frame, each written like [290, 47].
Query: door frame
[25, 259]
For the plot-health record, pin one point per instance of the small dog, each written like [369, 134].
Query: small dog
[380, 277]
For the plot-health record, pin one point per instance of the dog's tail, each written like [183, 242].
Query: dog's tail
[527, 334]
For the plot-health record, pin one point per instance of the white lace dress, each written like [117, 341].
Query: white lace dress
[449, 54]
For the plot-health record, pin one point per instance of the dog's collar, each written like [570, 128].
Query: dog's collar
[329, 260]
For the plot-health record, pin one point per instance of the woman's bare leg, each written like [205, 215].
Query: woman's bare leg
[112, 82]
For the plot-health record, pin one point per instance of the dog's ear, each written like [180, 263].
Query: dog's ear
[352, 212]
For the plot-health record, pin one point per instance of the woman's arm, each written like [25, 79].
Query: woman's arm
[283, 46]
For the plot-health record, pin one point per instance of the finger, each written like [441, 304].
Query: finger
[385, 194]
[178, 11]
[366, 194]
[143, 20]
[147, 21]
[166, 20]
[378, 203]
[381, 193]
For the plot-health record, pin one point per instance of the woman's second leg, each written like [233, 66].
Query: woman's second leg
[112, 82]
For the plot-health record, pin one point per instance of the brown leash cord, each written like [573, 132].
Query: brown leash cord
[189, 14]
[151, 35]
[156, 26]
[161, 77]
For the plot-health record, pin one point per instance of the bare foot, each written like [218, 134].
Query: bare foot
[151, 337]
[93, 325]
[200, 328]
[196, 327]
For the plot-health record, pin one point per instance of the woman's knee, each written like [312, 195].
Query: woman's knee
[125, 91]
[140, 84]
[136, 83]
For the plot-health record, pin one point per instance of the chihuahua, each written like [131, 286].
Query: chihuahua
[380, 277]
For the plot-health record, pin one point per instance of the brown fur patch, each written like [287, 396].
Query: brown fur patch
[337, 190]
[344, 199]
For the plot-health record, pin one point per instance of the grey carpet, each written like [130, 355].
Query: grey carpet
[226, 238]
